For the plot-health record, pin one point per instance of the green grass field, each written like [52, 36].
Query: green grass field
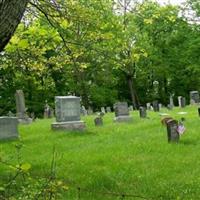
[132, 158]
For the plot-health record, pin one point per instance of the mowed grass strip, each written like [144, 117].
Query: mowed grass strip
[131, 158]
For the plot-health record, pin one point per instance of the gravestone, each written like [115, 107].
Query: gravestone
[90, 111]
[148, 106]
[98, 121]
[199, 111]
[171, 101]
[155, 106]
[108, 109]
[122, 112]
[194, 97]
[48, 111]
[83, 111]
[130, 108]
[169, 107]
[160, 106]
[103, 110]
[8, 128]
[10, 114]
[143, 112]
[67, 114]
[21, 109]
[172, 133]
[181, 101]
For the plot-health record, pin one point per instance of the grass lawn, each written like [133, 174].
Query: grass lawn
[132, 158]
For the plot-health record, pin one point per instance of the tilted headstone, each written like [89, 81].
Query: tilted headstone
[67, 114]
[21, 109]
[122, 112]
[130, 108]
[108, 109]
[194, 97]
[98, 121]
[143, 112]
[172, 133]
[8, 127]
[155, 106]
[181, 101]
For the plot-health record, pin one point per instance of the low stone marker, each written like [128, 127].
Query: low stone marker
[143, 112]
[194, 97]
[21, 109]
[122, 112]
[8, 128]
[172, 133]
[156, 106]
[181, 101]
[68, 114]
[98, 121]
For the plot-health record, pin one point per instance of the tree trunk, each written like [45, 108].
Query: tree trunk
[11, 12]
[132, 91]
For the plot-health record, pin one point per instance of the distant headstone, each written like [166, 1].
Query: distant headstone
[130, 108]
[21, 109]
[8, 127]
[67, 114]
[90, 111]
[108, 109]
[173, 135]
[181, 101]
[171, 101]
[142, 111]
[98, 121]
[148, 106]
[169, 107]
[160, 106]
[155, 106]
[199, 111]
[194, 97]
[122, 112]
[103, 110]
[83, 111]
[48, 112]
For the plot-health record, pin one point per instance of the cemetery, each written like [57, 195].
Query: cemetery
[99, 100]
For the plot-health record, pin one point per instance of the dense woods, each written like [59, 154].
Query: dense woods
[103, 51]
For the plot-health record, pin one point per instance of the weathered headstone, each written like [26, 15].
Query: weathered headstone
[181, 101]
[108, 109]
[194, 97]
[122, 112]
[172, 133]
[103, 110]
[160, 106]
[67, 114]
[90, 111]
[155, 106]
[171, 101]
[130, 108]
[83, 111]
[98, 121]
[148, 106]
[21, 109]
[8, 127]
[142, 111]
[48, 112]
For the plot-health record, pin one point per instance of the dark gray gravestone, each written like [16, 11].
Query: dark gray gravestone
[8, 128]
[98, 121]
[143, 112]
[122, 112]
[108, 109]
[194, 97]
[199, 111]
[181, 101]
[173, 135]
[21, 109]
[67, 114]
[155, 106]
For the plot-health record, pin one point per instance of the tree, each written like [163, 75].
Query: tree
[11, 12]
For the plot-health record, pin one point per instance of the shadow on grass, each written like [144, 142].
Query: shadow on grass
[188, 142]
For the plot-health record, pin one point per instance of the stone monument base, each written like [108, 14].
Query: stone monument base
[25, 120]
[123, 119]
[71, 126]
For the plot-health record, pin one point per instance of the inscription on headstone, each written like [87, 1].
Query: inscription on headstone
[68, 113]
[8, 127]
